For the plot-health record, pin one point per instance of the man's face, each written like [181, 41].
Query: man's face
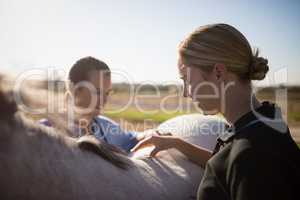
[91, 95]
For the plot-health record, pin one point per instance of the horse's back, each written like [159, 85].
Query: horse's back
[198, 129]
[178, 177]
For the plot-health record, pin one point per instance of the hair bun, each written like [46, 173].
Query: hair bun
[258, 68]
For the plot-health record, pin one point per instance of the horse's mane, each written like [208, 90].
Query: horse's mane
[105, 150]
[7, 105]
[9, 111]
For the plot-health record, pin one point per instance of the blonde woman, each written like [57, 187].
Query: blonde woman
[257, 158]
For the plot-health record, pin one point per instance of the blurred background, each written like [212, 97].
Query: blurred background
[138, 40]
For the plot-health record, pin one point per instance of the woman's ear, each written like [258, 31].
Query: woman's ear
[220, 71]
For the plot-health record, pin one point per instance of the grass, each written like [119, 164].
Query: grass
[295, 116]
[135, 115]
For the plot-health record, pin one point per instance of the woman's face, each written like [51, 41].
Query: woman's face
[201, 86]
[90, 96]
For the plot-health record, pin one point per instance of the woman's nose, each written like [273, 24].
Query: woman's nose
[185, 92]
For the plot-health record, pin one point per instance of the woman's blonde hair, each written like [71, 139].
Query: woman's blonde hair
[221, 43]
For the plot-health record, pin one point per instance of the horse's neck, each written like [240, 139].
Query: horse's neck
[50, 164]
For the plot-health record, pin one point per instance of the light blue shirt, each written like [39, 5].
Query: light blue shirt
[109, 131]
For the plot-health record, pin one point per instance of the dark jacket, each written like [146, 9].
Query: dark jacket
[259, 160]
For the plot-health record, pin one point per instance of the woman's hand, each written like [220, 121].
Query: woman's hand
[193, 152]
[159, 142]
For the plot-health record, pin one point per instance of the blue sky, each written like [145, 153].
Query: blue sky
[140, 37]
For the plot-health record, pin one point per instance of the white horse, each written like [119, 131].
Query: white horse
[39, 163]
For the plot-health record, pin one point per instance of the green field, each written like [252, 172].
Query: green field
[134, 115]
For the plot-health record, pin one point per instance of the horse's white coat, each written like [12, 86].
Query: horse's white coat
[44, 168]
[195, 128]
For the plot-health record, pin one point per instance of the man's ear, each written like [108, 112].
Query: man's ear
[220, 71]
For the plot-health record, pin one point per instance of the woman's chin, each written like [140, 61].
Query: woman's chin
[208, 109]
[210, 112]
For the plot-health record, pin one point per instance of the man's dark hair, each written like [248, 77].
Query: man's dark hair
[80, 70]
